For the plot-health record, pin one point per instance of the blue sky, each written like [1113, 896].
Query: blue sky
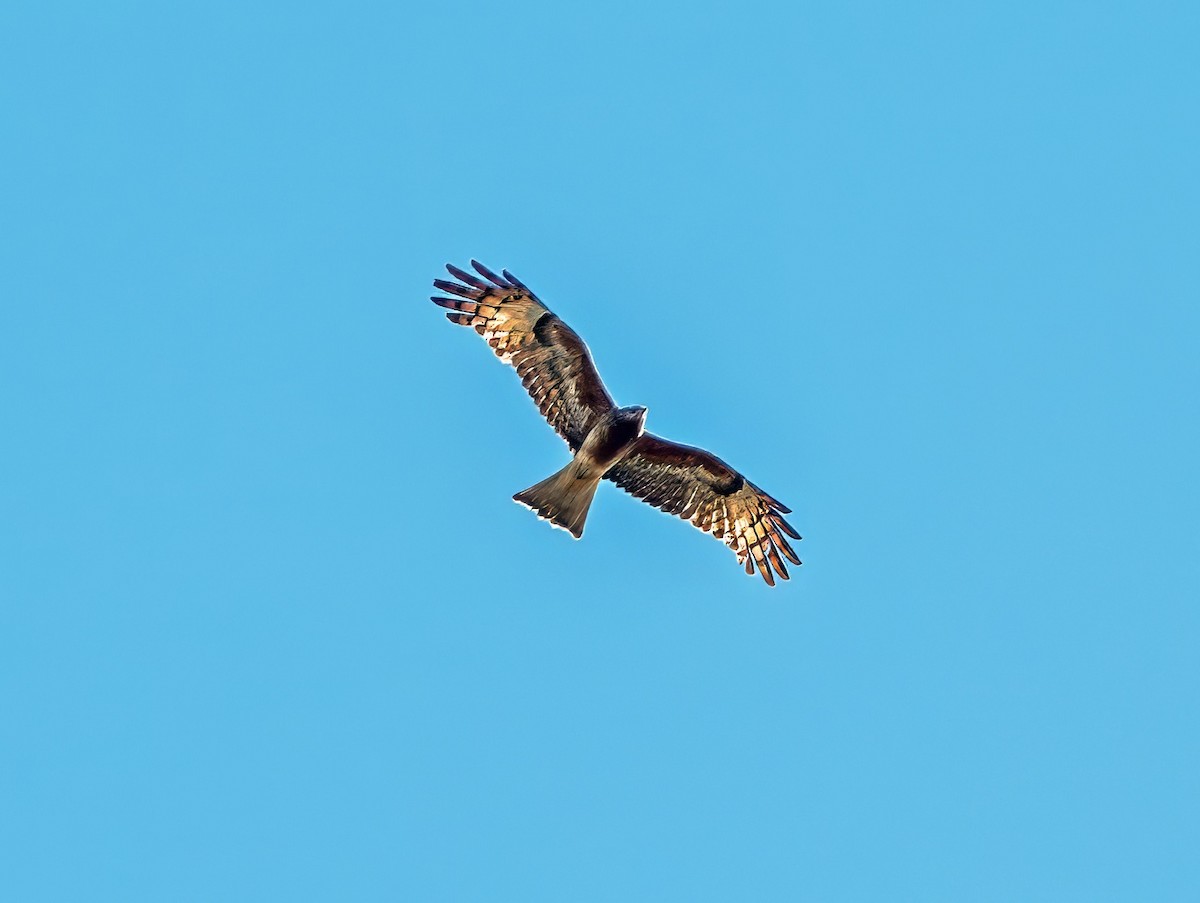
[271, 626]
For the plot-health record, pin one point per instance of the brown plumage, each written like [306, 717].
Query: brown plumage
[609, 442]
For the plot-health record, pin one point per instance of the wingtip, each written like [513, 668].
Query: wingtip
[463, 276]
[488, 274]
[514, 280]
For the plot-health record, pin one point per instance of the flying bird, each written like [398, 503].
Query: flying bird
[609, 442]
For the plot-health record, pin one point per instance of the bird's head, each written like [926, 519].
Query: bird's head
[635, 414]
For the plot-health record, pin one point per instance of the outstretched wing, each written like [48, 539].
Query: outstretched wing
[701, 488]
[552, 361]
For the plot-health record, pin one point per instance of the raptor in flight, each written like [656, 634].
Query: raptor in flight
[608, 442]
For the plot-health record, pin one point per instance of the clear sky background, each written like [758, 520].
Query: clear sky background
[271, 626]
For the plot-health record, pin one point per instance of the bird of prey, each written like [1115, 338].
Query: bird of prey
[609, 442]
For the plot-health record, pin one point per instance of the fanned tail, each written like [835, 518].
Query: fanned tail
[563, 499]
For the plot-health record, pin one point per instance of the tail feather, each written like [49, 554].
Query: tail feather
[563, 499]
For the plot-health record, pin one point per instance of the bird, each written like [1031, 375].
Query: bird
[610, 442]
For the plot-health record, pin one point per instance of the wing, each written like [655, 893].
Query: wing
[701, 488]
[552, 361]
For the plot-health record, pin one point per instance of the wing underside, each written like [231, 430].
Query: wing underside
[554, 364]
[699, 487]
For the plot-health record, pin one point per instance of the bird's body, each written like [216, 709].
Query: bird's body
[564, 498]
[609, 442]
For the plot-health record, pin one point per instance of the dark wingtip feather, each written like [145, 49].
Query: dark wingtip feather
[514, 280]
[785, 526]
[485, 272]
[769, 499]
[460, 319]
[464, 276]
[777, 563]
[788, 529]
[455, 289]
[788, 551]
